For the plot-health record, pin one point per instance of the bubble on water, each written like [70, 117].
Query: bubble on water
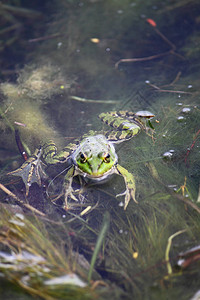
[186, 110]
[172, 186]
[179, 103]
[167, 155]
[59, 45]
[189, 86]
[180, 118]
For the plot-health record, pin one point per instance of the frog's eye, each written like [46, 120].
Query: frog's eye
[83, 157]
[107, 158]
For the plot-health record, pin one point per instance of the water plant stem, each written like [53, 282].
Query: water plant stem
[169, 267]
[100, 239]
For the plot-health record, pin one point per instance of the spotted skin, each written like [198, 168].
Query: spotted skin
[93, 157]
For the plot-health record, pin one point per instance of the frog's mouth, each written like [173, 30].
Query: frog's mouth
[97, 177]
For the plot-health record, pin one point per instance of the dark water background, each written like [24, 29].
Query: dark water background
[66, 61]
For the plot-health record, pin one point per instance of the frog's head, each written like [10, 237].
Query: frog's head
[95, 156]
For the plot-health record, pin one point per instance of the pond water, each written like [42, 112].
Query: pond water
[83, 58]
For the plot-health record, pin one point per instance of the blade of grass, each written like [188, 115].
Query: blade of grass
[169, 268]
[100, 239]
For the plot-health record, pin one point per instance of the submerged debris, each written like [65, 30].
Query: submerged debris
[66, 279]
[188, 257]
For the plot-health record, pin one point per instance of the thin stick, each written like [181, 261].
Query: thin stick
[141, 58]
[163, 37]
[28, 206]
[172, 193]
[92, 101]
[44, 38]
[175, 80]
[191, 147]
[166, 91]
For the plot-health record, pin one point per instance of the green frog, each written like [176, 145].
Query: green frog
[94, 157]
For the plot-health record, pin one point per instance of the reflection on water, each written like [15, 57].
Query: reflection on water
[144, 57]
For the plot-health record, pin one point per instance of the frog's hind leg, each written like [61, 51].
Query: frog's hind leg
[31, 171]
[124, 128]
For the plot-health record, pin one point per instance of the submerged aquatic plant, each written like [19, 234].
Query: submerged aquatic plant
[38, 255]
[36, 260]
[99, 242]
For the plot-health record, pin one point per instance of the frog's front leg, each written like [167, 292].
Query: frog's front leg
[130, 185]
[68, 189]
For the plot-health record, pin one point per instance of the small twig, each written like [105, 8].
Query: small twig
[44, 38]
[191, 147]
[184, 199]
[20, 145]
[92, 101]
[20, 124]
[172, 193]
[28, 206]
[8, 108]
[163, 37]
[166, 91]
[175, 80]
[141, 58]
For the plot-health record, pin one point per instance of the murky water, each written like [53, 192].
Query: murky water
[115, 52]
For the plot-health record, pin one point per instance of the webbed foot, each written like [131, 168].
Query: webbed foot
[31, 171]
[130, 185]
[68, 189]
